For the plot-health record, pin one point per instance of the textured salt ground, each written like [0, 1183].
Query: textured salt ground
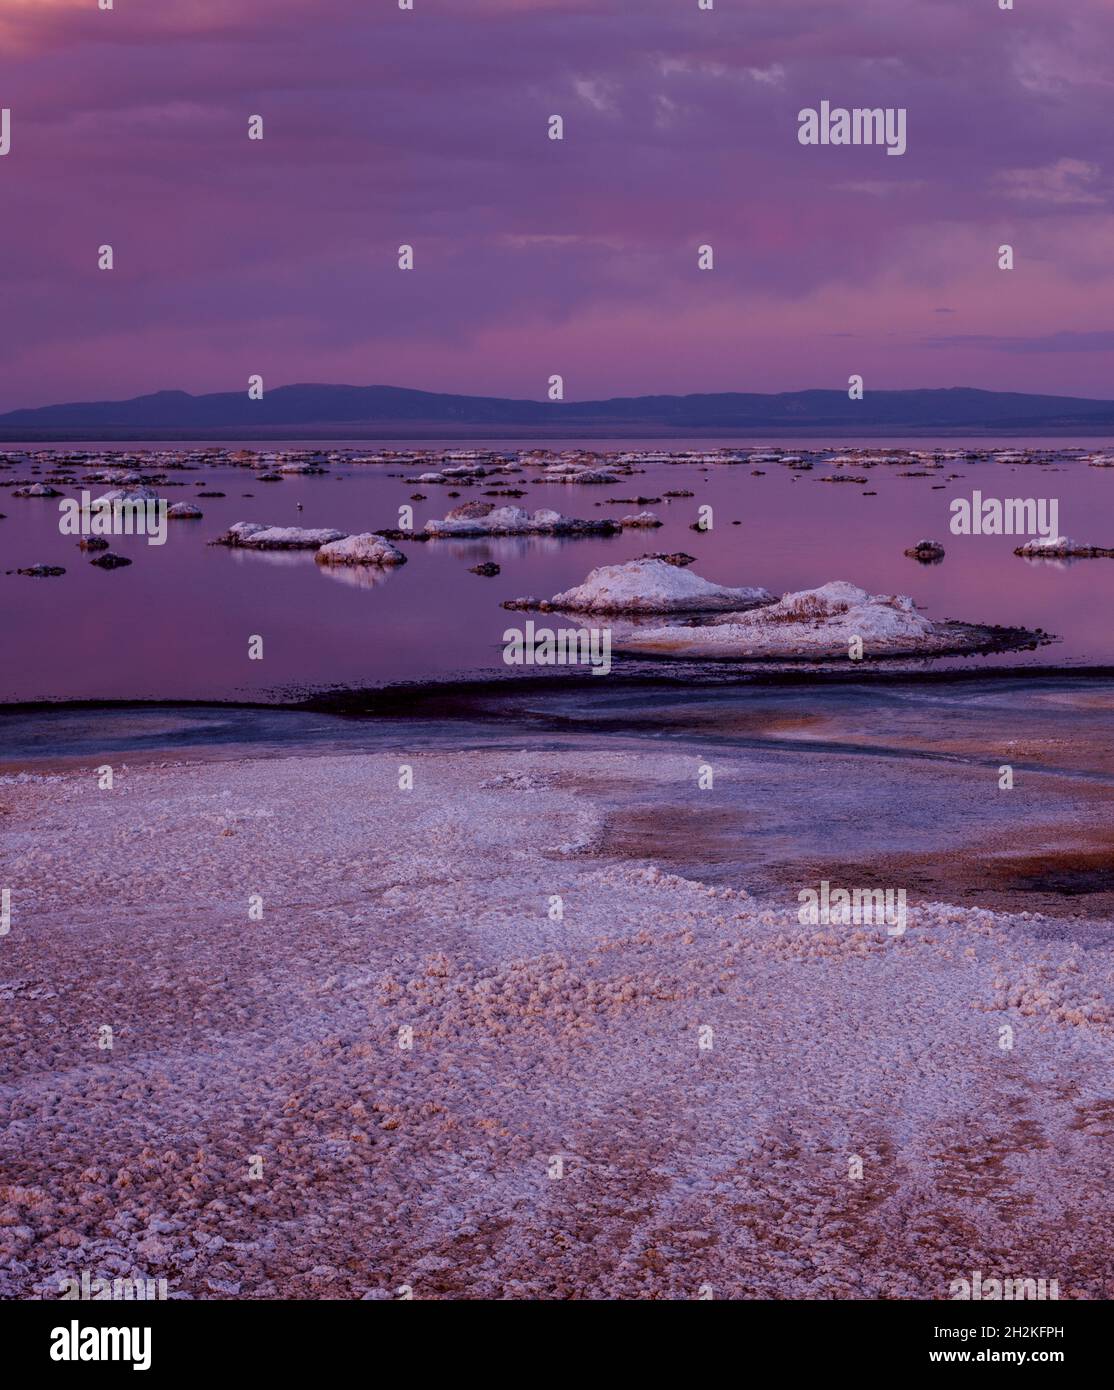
[532, 1039]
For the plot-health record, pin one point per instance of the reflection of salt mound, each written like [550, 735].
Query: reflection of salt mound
[813, 623]
[647, 586]
[250, 535]
[1060, 546]
[485, 519]
[365, 549]
[279, 559]
[357, 576]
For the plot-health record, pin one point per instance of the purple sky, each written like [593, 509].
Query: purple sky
[534, 257]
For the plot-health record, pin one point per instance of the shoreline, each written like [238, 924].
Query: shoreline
[388, 697]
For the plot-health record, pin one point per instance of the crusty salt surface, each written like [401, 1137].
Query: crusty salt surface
[431, 1165]
[652, 586]
[253, 535]
[483, 519]
[1061, 545]
[364, 549]
[812, 622]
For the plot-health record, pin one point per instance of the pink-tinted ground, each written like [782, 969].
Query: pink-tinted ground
[684, 1169]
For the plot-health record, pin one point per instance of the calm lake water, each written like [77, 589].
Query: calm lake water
[176, 623]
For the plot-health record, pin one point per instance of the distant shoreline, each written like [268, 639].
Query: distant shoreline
[328, 411]
[416, 434]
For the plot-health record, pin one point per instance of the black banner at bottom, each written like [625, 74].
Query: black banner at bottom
[179, 1337]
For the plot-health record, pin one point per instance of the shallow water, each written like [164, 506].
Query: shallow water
[862, 784]
[176, 623]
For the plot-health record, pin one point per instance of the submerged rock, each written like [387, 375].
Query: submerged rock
[489, 569]
[252, 535]
[647, 586]
[367, 548]
[110, 561]
[42, 571]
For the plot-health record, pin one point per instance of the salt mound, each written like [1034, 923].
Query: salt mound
[184, 511]
[36, 490]
[126, 494]
[647, 586]
[251, 535]
[573, 473]
[640, 519]
[364, 549]
[486, 519]
[812, 623]
[1061, 545]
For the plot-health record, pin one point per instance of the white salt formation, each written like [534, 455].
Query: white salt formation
[486, 519]
[1061, 546]
[125, 494]
[821, 622]
[364, 549]
[252, 535]
[646, 586]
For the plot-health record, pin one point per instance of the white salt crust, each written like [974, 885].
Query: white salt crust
[532, 1038]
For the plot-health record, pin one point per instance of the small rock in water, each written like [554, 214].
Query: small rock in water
[92, 543]
[927, 552]
[489, 569]
[675, 557]
[42, 571]
[110, 561]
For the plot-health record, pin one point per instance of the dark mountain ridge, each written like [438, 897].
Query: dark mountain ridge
[314, 411]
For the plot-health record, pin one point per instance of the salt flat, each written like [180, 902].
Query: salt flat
[541, 1044]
